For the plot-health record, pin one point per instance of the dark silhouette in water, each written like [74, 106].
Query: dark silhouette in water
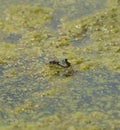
[64, 63]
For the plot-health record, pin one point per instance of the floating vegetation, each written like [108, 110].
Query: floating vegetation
[67, 78]
[25, 18]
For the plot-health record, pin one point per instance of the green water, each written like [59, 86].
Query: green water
[35, 95]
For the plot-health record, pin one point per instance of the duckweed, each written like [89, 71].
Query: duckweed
[25, 18]
[35, 95]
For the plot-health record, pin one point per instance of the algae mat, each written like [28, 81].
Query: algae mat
[36, 95]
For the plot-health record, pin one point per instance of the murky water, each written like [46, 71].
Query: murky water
[34, 95]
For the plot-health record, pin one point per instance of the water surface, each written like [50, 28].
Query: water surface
[34, 95]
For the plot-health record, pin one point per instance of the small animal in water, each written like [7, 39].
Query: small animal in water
[63, 63]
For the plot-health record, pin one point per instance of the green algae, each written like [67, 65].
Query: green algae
[43, 96]
[73, 122]
[103, 100]
[7, 53]
[103, 32]
[18, 17]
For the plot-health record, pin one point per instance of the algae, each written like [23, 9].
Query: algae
[34, 95]
[103, 32]
[18, 17]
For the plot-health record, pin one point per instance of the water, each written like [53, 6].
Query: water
[31, 92]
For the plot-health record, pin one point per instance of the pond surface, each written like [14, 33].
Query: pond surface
[37, 95]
